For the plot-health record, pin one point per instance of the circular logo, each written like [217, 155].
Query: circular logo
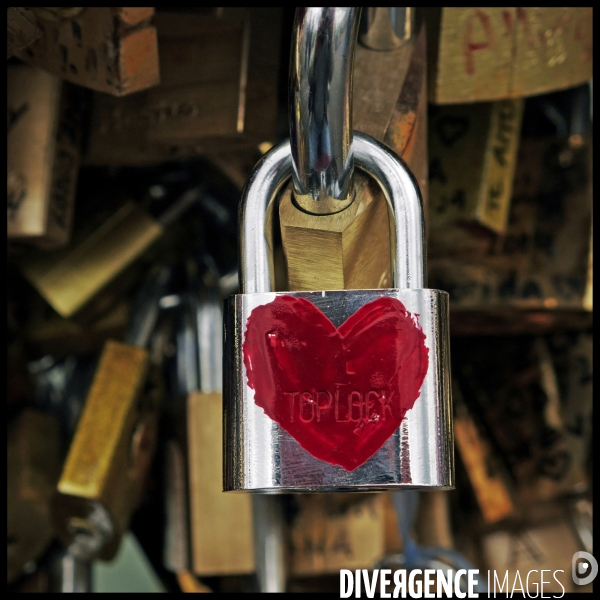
[585, 568]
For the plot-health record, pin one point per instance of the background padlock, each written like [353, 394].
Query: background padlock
[69, 279]
[112, 50]
[473, 153]
[219, 526]
[260, 453]
[110, 455]
[44, 126]
[488, 53]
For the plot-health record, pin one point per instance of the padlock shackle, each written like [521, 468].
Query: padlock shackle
[266, 180]
[405, 211]
[320, 107]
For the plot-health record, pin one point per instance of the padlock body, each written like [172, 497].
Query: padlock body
[343, 390]
[221, 527]
[110, 455]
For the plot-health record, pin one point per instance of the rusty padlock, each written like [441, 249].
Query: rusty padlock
[345, 390]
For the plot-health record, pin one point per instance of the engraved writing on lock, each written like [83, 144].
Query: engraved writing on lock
[354, 406]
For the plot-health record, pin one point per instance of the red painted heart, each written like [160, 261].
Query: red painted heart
[340, 392]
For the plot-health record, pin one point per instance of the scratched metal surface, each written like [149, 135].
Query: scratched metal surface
[259, 456]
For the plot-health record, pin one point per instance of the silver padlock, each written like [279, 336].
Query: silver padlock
[344, 390]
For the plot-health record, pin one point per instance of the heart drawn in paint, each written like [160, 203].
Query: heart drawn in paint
[339, 392]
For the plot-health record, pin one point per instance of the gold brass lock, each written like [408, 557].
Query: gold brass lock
[110, 453]
[491, 53]
[221, 523]
[69, 279]
[43, 157]
[473, 153]
[104, 474]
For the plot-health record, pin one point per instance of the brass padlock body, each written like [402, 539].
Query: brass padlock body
[109, 457]
[69, 279]
[473, 154]
[43, 155]
[490, 53]
[222, 541]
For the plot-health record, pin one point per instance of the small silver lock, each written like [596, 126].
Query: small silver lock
[344, 390]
